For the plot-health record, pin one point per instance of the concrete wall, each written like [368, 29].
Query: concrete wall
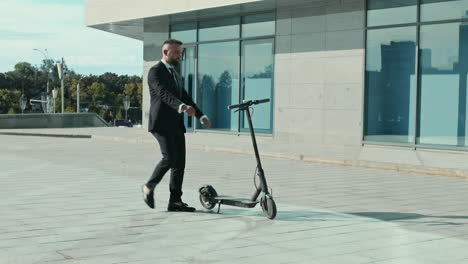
[319, 69]
[155, 33]
[51, 121]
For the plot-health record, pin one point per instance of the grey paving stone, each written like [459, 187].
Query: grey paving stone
[79, 201]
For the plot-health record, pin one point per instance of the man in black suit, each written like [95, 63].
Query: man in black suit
[169, 101]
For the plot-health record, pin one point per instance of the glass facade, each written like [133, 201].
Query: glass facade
[258, 25]
[416, 77]
[391, 84]
[186, 33]
[433, 10]
[444, 48]
[227, 28]
[189, 72]
[385, 12]
[230, 66]
[257, 80]
[218, 82]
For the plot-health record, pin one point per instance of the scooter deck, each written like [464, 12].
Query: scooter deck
[235, 201]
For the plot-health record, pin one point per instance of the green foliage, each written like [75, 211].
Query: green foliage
[9, 101]
[70, 109]
[97, 91]
[101, 94]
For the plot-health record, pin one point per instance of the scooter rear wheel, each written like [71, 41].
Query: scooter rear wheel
[207, 195]
[268, 207]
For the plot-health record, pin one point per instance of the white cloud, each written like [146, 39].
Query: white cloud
[59, 28]
[101, 61]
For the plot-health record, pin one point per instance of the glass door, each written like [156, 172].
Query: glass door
[257, 82]
[188, 72]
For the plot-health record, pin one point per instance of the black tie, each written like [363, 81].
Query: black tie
[176, 80]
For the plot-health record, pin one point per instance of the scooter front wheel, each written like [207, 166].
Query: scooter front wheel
[268, 206]
[207, 195]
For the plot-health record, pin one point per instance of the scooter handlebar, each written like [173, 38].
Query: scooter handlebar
[233, 106]
[248, 103]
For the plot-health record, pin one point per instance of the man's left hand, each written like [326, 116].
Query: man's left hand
[206, 122]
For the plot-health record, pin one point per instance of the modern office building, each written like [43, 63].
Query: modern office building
[375, 80]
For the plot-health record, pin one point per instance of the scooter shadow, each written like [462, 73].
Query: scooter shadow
[296, 216]
[320, 216]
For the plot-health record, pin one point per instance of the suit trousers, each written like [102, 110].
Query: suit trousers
[172, 147]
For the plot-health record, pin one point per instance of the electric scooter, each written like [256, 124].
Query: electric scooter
[208, 195]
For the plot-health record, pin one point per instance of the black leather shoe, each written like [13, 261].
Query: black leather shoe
[148, 198]
[175, 207]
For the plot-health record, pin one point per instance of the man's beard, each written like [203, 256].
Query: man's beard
[173, 62]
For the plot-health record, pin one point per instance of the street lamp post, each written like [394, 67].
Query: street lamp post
[54, 95]
[23, 101]
[126, 103]
[60, 73]
[49, 71]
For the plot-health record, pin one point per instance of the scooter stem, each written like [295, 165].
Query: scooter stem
[263, 184]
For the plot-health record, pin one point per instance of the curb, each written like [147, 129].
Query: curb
[44, 135]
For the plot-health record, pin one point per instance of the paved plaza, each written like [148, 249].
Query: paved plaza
[78, 200]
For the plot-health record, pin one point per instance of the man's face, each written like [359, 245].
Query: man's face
[173, 54]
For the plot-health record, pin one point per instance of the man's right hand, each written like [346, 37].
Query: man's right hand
[190, 111]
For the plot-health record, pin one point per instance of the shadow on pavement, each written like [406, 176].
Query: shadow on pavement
[316, 216]
[396, 216]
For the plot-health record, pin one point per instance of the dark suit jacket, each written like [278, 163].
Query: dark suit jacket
[165, 101]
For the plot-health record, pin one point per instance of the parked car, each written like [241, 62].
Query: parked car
[123, 122]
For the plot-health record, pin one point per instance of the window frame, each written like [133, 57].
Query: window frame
[240, 39]
[416, 119]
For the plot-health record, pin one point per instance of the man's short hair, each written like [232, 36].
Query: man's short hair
[172, 42]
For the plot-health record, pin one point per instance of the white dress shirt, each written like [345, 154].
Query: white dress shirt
[170, 68]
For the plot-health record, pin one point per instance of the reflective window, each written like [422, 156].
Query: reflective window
[390, 85]
[227, 28]
[151, 48]
[444, 69]
[257, 72]
[258, 25]
[386, 12]
[218, 83]
[188, 74]
[216, 66]
[186, 33]
[443, 9]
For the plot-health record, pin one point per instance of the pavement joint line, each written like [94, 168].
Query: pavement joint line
[44, 135]
[433, 171]
[63, 255]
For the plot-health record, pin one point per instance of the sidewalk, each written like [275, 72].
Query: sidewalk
[77, 200]
[426, 161]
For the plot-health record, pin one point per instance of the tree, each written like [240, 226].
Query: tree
[9, 101]
[223, 99]
[267, 73]
[97, 92]
[102, 94]
[24, 76]
[140, 93]
[206, 97]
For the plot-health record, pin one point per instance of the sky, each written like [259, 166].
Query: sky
[58, 26]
